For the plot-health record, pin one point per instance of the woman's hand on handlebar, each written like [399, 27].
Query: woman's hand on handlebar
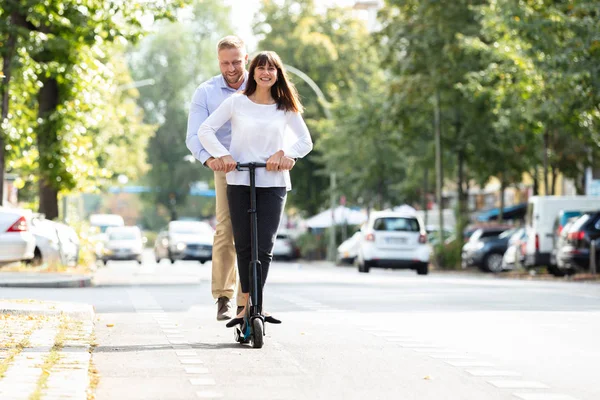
[229, 163]
[274, 161]
[286, 163]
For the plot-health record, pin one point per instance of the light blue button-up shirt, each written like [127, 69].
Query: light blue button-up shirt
[207, 98]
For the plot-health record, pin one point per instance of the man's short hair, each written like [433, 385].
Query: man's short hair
[231, 42]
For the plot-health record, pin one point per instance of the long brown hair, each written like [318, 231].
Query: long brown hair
[283, 91]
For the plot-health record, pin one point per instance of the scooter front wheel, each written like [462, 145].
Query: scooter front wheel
[258, 332]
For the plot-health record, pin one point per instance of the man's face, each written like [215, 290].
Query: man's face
[232, 63]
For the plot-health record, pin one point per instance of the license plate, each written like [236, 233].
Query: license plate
[395, 240]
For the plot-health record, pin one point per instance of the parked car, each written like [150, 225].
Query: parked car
[69, 244]
[433, 235]
[284, 247]
[515, 251]
[575, 254]
[99, 223]
[185, 240]
[485, 248]
[347, 250]
[123, 243]
[17, 243]
[393, 240]
[557, 265]
[47, 245]
[541, 213]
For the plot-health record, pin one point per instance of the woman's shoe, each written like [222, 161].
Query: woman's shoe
[234, 322]
[272, 320]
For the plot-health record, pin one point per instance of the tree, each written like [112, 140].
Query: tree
[65, 41]
[332, 48]
[178, 57]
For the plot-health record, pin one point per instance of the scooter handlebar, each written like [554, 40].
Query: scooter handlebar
[250, 165]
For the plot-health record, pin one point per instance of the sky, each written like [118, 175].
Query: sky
[243, 11]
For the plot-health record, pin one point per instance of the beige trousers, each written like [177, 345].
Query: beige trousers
[224, 271]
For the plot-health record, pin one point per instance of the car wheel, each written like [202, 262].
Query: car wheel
[556, 271]
[423, 269]
[493, 262]
[202, 261]
[363, 266]
[37, 259]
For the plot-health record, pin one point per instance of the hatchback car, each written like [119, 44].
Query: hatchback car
[582, 235]
[17, 243]
[123, 243]
[474, 252]
[393, 240]
[185, 240]
[284, 248]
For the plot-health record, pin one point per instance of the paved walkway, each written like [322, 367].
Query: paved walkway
[45, 350]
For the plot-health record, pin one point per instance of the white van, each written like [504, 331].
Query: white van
[541, 212]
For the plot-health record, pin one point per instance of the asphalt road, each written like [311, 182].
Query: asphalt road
[345, 335]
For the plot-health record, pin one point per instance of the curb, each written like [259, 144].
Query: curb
[28, 280]
[26, 307]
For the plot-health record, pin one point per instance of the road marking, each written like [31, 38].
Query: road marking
[492, 372]
[543, 396]
[426, 349]
[470, 363]
[516, 384]
[191, 361]
[196, 370]
[202, 381]
[209, 395]
[418, 346]
[404, 340]
[391, 335]
[451, 357]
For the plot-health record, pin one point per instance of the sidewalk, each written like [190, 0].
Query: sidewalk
[45, 350]
[43, 279]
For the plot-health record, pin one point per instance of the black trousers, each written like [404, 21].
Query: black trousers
[269, 208]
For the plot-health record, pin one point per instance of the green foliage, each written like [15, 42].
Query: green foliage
[178, 56]
[448, 256]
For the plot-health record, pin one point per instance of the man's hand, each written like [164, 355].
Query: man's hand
[286, 163]
[216, 164]
[273, 163]
[229, 163]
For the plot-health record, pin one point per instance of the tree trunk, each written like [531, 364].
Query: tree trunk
[501, 211]
[4, 90]
[47, 138]
[546, 185]
[554, 175]
[536, 183]
[425, 192]
[438, 163]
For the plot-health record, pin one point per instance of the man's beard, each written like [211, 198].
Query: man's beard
[234, 79]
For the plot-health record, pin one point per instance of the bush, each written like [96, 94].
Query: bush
[448, 255]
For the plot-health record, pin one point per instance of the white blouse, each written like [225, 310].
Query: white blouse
[257, 132]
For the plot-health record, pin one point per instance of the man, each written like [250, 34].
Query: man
[233, 59]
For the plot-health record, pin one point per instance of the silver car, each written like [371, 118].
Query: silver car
[123, 243]
[17, 243]
[185, 240]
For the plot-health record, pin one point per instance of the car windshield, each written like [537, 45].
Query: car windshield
[191, 228]
[123, 235]
[568, 215]
[392, 224]
[507, 234]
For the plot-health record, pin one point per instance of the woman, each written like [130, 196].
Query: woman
[259, 117]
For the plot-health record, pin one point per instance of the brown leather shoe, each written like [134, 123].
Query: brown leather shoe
[224, 309]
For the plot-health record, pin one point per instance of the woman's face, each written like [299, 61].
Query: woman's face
[265, 75]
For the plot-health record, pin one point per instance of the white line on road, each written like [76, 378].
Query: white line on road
[517, 384]
[470, 363]
[202, 381]
[543, 396]
[492, 372]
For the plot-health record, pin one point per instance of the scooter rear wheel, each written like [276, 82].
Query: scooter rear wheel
[257, 336]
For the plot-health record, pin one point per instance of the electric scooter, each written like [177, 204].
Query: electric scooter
[252, 328]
